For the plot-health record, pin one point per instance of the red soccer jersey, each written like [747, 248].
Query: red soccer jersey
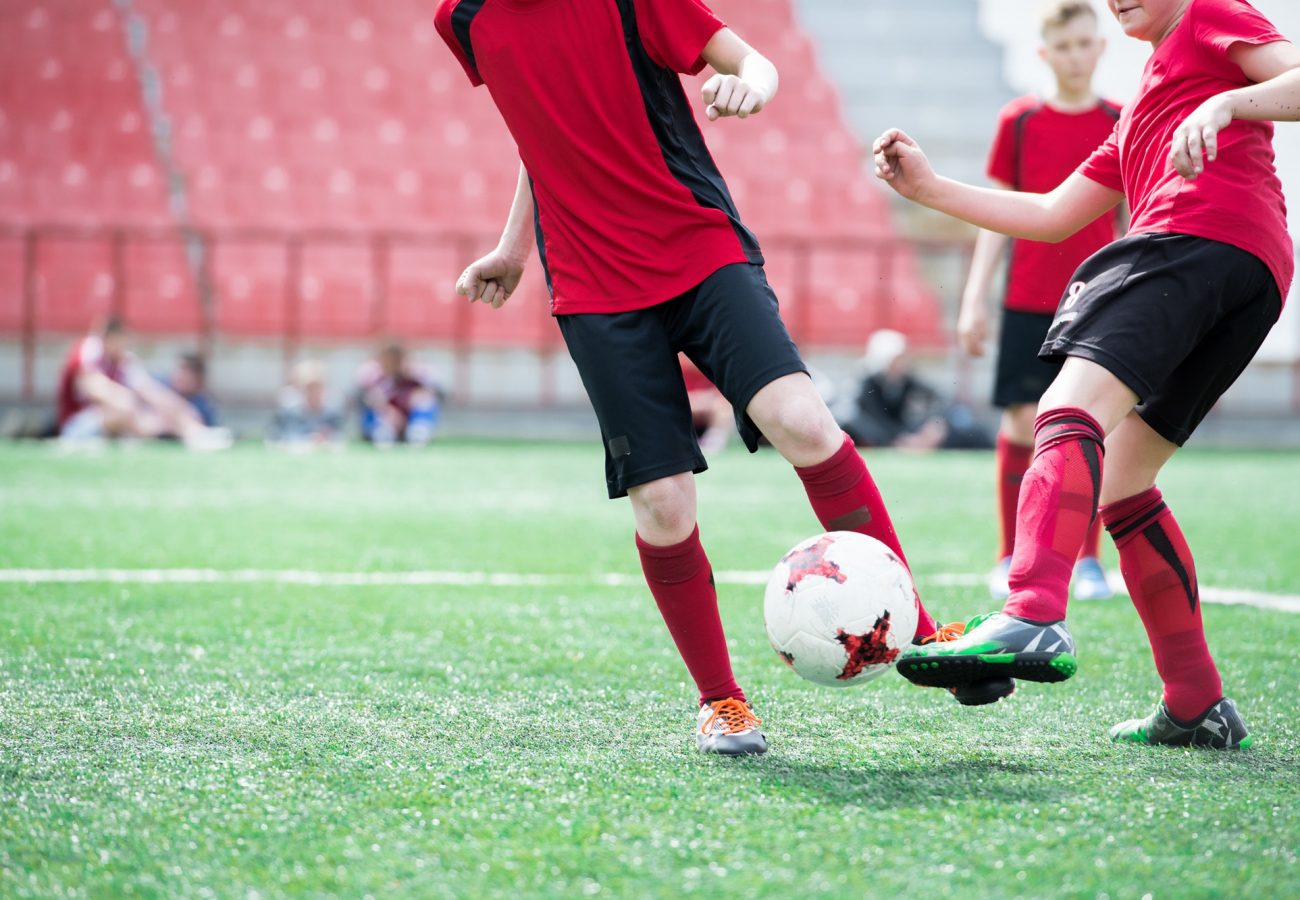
[1036, 148]
[87, 355]
[630, 208]
[1237, 199]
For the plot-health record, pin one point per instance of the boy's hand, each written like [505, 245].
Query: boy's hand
[491, 279]
[731, 95]
[901, 164]
[1196, 142]
[972, 329]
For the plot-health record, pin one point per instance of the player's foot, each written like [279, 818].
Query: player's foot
[207, 440]
[1000, 580]
[995, 645]
[1219, 728]
[1089, 580]
[991, 690]
[729, 727]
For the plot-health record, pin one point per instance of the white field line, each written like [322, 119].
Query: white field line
[1226, 596]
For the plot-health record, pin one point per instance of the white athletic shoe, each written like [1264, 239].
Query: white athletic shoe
[206, 440]
[729, 727]
[1089, 581]
[999, 579]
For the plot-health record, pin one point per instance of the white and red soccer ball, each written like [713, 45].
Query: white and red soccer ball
[839, 608]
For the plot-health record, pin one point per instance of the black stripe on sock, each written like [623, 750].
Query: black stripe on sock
[1092, 455]
[1134, 524]
[1155, 534]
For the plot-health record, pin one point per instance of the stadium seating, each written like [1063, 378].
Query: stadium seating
[287, 117]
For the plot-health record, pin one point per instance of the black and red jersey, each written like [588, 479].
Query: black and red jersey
[630, 207]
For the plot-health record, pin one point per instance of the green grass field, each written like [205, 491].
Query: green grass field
[254, 738]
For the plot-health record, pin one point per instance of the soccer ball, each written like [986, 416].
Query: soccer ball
[839, 608]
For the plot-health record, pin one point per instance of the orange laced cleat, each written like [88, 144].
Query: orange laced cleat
[729, 727]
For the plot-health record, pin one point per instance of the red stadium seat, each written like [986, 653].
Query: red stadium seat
[422, 302]
[250, 285]
[161, 293]
[336, 291]
[74, 283]
[12, 287]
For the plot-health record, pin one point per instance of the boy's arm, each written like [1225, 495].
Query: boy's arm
[493, 278]
[744, 81]
[973, 314]
[1038, 217]
[1275, 96]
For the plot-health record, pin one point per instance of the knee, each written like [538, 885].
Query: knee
[665, 509]
[804, 432]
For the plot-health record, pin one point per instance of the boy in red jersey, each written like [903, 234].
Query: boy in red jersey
[1152, 330]
[1039, 142]
[646, 256]
[105, 392]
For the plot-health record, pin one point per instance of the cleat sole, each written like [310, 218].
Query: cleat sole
[957, 671]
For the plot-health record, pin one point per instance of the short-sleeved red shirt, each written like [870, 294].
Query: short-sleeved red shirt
[1237, 199]
[631, 209]
[1036, 148]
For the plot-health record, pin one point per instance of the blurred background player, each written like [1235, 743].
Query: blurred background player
[895, 408]
[305, 417]
[105, 392]
[189, 379]
[399, 400]
[646, 257]
[1151, 332]
[1038, 143]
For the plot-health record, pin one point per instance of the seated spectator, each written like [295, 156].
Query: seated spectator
[304, 417]
[189, 379]
[104, 392]
[896, 409]
[712, 414]
[400, 402]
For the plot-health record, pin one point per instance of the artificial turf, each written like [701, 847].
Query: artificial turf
[255, 737]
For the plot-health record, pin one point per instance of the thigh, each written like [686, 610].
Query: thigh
[1021, 376]
[630, 370]
[730, 326]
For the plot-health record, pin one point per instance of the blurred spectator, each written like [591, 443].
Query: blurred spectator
[400, 402]
[305, 417]
[712, 415]
[896, 409]
[189, 379]
[104, 392]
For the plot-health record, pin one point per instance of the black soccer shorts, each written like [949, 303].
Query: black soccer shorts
[728, 325]
[1175, 317]
[1022, 377]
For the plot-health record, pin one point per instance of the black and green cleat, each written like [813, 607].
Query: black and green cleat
[1218, 728]
[995, 645]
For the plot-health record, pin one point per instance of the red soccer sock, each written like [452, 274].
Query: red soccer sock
[845, 498]
[1012, 463]
[1161, 579]
[1058, 502]
[681, 581]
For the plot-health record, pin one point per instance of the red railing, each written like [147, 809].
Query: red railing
[270, 285]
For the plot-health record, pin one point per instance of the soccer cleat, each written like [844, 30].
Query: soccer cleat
[1000, 580]
[729, 727]
[994, 645]
[1219, 728]
[1089, 580]
[991, 690]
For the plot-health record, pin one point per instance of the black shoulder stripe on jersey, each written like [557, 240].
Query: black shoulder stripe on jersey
[1111, 109]
[541, 239]
[1018, 145]
[679, 137]
[461, 17]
